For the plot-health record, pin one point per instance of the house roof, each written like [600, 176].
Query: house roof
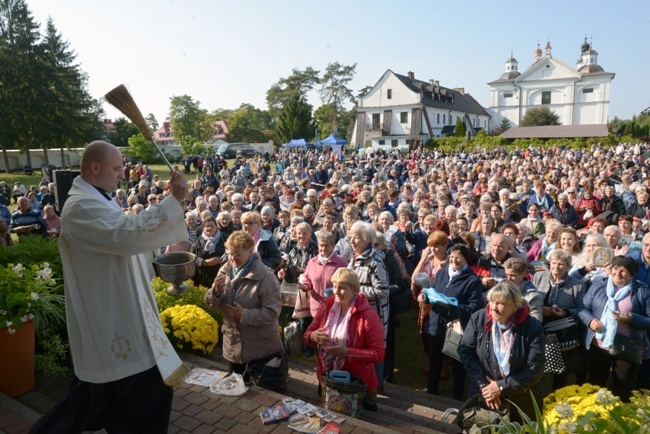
[449, 99]
[556, 131]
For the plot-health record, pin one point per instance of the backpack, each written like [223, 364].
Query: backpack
[293, 338]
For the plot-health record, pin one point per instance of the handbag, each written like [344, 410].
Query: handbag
[269, 372]
[567, 332]
[453, 336]
[344, 396]
[294, 342]
[474, 413]
[627, 349]
[301, 308]
[554, 361]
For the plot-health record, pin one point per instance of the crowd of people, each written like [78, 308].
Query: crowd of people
[516, 239]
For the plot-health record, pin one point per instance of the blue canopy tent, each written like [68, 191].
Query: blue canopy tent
[296, 143]
[333, 140]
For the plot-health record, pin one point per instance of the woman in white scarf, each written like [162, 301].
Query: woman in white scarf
[208, 247]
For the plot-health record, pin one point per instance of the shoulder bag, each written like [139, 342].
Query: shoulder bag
[627, 349]
[453, 337]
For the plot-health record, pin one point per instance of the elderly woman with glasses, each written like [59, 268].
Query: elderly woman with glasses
[503, 351]
[248, 294]
[265, 245]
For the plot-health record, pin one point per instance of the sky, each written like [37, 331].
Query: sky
[224, 53]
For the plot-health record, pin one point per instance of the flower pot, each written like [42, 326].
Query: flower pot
[17, 369]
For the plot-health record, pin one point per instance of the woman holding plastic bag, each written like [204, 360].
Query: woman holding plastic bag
[348, 334]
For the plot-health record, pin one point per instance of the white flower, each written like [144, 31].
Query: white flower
[34, 296]
[3, 312]
[643, 415]
[30, 316]
[44, 274]
[605, 397]
[564, 410]
[569, 427]
[475, 430]
[11, 330]
[18, 269]
[9, 324]
[25, 318]
[46, 264]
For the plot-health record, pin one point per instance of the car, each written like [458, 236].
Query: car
[233, 150]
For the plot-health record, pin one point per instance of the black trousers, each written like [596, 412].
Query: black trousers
[602, 365]
[140, 403]
[435, 365]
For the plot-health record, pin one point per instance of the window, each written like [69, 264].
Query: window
[546, 97]
[393, 143]
[438, 121]
[375, 121]
[444, 119]
[382, 142]
[588, 90]
[404, 117]
[507, 95]
[389, 93]
[451, 119]
[408, 141]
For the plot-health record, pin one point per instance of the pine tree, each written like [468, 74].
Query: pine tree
[295, 120]
[461, 128]
[21, 77]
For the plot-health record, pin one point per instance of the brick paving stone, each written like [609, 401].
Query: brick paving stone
[211, 405]
[228, 411]
[264, 400]
[247, 406]
[10, 418]
[244, 429]
[208, 417]
[229, 399]
[196, 398]
[191, 410]
[179, 404]
[225, 424]
[347, 427]
[173, 429]
[174, 415]
[187, 423]
[283, 429]
[246, 418]
[181, 392]
[204, 429]
[196, 388]
[260, 427]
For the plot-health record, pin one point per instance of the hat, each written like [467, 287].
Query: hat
[627, 262]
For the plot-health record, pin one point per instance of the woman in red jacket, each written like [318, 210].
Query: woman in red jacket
[349, 334]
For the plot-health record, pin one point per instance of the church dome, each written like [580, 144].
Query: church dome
[590, 69]
[509, 75]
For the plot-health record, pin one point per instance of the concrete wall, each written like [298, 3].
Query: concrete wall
[72, 157]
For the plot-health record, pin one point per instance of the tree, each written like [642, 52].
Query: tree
[540, 116]
[364, 91]
[189, 119]
[505, 124]
[21, 77]
[124, 130]
[299, 82]
[152, 122]
[295, 120]
[334, 89]
[191, 146]
[141, 149]
[71, 112]
[247, 123]
[344, 124]
[461, 128]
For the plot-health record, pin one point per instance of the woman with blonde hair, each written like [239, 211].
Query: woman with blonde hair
[348, 334]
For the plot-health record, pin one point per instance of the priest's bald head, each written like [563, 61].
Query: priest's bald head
[101, 165]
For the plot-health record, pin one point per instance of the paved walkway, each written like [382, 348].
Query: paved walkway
[196, 410]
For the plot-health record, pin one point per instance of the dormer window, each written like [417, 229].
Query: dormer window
[389, 93]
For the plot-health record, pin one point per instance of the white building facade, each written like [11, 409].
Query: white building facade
[578, 96]
[401, 111]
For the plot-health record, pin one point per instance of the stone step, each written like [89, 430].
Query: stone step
[400, 409]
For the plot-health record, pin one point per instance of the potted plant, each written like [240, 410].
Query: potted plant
[29, 299]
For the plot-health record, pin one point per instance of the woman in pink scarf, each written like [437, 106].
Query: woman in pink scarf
[349, 334]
